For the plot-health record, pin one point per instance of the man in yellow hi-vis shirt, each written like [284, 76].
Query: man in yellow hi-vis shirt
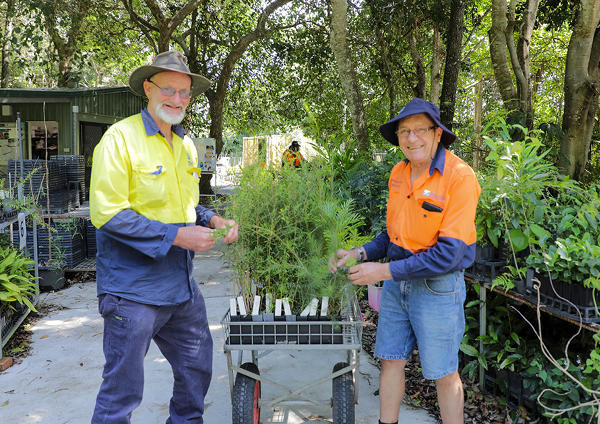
[144, 202]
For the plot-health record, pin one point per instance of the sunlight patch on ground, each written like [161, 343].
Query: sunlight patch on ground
[289, 416]
[68, 324]
[34, 418]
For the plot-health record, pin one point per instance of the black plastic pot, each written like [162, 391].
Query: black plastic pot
[51, 277]
[269, 329]
[303, 330]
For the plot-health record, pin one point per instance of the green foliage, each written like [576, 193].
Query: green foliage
[571, 248]
[338, 159]
[518, 191]
[368, 188]
[291, 222]
[509, 345]
[575, 259]
[564, 398]
[505, 281]
[220, 233]
[16, 283]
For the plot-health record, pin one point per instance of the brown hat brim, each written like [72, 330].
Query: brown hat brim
[136, 81]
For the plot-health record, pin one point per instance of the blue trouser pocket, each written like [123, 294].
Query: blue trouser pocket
[117, 329]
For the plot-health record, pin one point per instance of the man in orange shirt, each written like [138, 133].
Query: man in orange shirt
[292, 155]
[430, 240]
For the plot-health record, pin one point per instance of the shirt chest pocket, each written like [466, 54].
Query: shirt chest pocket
[424, 222]
[149, 188]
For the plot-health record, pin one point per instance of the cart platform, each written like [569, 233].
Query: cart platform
[266, 334]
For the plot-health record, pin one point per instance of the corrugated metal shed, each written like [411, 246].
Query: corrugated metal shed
[64, 105]
[74, 110]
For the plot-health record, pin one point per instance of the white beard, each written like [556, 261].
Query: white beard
[170, 117]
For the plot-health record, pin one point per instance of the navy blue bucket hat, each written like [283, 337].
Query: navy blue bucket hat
[415, 106]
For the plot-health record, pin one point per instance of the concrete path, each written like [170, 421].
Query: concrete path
[58, 382]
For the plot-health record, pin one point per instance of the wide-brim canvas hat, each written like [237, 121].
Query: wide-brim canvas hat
[415, 106]
[171, 61]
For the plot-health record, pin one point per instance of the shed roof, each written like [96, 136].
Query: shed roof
[31, 95]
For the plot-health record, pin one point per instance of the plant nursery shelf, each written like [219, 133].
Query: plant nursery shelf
[594, 327]
[88, 265]
[81, 212]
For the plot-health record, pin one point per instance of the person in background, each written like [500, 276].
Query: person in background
[430, 240]
[292, 155]
[144, 201]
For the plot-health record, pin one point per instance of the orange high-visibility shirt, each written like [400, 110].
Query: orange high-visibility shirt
[431, 225]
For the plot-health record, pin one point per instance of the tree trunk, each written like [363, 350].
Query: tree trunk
[348, 78]
[385, 67]
[64, 67]
[420, 90]
[456, 29]
[582, 82]
[521, 68]
[436, 66]
[216, 96]
[498, 55]
[478, 127]
[7, 36]
[66, 41]
[519, 101]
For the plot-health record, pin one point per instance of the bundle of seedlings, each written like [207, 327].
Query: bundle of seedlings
[291, 222]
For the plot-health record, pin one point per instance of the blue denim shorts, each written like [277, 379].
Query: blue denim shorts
[425, 312]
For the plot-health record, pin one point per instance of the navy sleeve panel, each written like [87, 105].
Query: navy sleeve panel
[203, 215]
[152, 238]
[378, 247]
[448, 255]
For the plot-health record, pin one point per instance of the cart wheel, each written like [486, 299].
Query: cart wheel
[343, 396]
[246, 392]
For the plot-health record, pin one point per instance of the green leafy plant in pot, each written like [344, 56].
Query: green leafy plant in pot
[16, 283]
[290, 223]
[568, 255]
[517, 194]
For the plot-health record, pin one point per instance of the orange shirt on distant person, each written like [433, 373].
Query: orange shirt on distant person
[292, 158]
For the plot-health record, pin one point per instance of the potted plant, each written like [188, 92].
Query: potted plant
[51, 270]
[517, 193]
[291, 222]
[566, 261]
[572, 266]
[16, 284]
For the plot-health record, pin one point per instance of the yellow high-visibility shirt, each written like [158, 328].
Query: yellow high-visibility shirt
[135, 171]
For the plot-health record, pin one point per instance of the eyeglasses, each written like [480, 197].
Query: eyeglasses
[405, 132]
[170, 92]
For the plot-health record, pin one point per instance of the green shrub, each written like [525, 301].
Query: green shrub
[290, 223]
[368, 188]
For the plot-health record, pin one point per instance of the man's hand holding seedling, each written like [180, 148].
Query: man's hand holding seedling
[224, 229]
[362, 273]
[198, 238]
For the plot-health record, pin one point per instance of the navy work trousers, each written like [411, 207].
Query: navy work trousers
[181, 333]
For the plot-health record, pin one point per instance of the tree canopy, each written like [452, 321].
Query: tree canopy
[336, 70]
